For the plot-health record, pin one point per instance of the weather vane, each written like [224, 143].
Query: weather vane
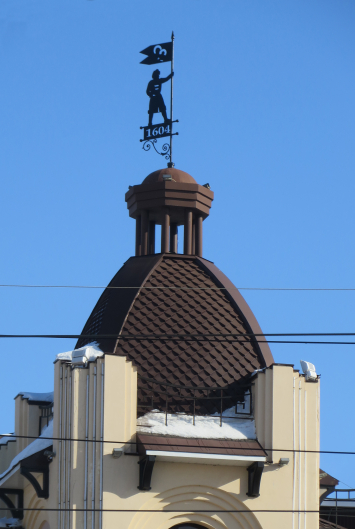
[158, 53]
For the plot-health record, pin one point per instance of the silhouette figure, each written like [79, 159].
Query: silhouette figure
[156, 103]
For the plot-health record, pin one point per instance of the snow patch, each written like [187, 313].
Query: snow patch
[10, 522]
[258, 371]
[43, 397]
[6, 439]
[36, 446]
[206, 427]
[91, 352]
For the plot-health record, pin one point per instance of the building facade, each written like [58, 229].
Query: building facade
[171, 411]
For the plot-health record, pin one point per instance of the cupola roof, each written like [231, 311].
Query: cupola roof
[176, 174]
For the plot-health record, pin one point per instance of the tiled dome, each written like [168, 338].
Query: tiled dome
[177, 295]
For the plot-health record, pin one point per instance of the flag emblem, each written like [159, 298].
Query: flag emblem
[157, 53]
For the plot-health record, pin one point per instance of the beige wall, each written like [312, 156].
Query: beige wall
[101, 402]
[33, 519]
[7, 453]
[78, 397]
[287, 416]
[94, 410]
[26, 421]
[26, 424]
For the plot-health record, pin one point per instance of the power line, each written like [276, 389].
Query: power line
[229, 335]
[349, 486]
[171, 336]
[181, 288]
[183, 337]
[188, 511]
[104, 441]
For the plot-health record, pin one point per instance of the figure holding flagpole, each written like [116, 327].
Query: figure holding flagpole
[159, 53]
[156, 103]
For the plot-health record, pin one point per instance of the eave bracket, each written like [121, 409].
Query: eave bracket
[255, 472]
[17, 512]
[146, 466]
[37, 464]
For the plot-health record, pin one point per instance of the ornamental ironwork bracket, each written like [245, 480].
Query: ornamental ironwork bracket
[16, 512]
[255, 472]
[37, 463]
[165, 148]
[146, 466]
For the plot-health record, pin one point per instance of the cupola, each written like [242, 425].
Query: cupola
[171, 198]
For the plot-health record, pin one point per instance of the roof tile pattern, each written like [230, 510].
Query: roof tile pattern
[186, 311]
[194, 304]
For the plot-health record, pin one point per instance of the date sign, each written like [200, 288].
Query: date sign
[156, 131]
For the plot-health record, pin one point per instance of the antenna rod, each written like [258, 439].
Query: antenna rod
[170, 164]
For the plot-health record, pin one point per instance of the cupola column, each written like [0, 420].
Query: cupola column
[193, 239]
[151, 238]
[188, 232]
[138, 236]
[198, 235]
[144, 232]
[165, 232]
[173, 237]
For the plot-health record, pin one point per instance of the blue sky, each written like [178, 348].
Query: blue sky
[264, 92]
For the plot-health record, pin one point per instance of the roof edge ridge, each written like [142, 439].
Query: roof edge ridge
[157, 263]
[239, 304]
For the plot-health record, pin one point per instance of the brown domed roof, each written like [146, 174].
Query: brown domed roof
[178, 294]
[176, 174]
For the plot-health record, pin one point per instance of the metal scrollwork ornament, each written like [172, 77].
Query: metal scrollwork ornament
[151, 143]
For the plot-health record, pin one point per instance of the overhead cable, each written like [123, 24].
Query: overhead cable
[180, 288]
[178, 337]
[104, 441]
[164, 510]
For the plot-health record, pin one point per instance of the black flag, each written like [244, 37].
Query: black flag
[158, 53]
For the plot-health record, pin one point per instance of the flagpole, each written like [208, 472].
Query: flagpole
[170, 164]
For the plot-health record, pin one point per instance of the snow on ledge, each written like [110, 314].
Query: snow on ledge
[36, 446]
[91, 352]
[42, 397]
[10, 522]
[206, 427]
[6, 439]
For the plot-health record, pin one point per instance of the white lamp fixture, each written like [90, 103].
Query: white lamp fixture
[117, 452]
[309, 370]
[79, 358]
[284, 461]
